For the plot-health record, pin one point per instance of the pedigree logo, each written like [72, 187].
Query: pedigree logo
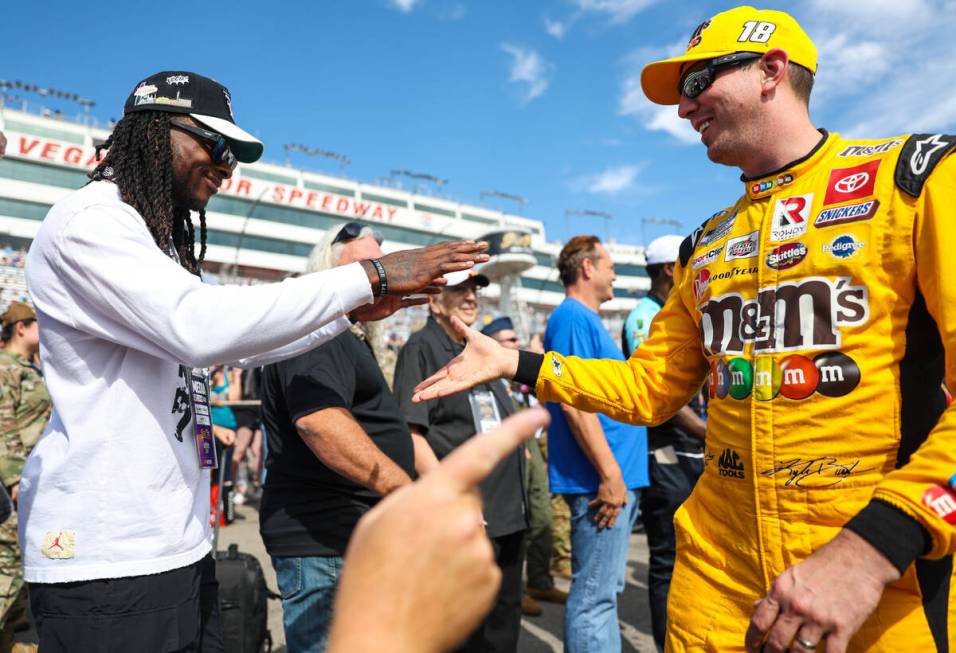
[807, 314]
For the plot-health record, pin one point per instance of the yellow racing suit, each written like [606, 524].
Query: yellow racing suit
[820, 307]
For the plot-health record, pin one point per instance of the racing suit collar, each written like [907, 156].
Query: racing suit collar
[770, 183]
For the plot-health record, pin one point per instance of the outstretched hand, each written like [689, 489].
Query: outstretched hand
[382, 307]
[413, 270]
[420, 573]
[483, 360]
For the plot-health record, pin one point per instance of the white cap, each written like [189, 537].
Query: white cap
[461, 276]
[665, 249]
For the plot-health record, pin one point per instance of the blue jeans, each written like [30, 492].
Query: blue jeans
[598, 568]
[307, 586]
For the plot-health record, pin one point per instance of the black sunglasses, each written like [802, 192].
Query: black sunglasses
[219, 149]
[697, 81]
[351, 231]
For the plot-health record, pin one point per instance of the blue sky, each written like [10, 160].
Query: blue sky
[538, 99]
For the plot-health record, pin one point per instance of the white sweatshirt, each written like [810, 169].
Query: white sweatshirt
[114, 488]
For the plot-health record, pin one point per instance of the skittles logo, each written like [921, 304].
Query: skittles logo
[794, 377]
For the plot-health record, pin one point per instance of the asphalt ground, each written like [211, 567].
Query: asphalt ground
[541, 634]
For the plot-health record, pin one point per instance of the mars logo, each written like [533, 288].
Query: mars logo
[791, 217]
[787, 256]
[802, 315]
[847, 184]
[795, 377]
[701, 281]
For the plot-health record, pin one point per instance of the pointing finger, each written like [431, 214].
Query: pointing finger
[469, 464]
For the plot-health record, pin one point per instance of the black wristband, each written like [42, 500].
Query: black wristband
[899, 537]
[529, 364]
[382, 278]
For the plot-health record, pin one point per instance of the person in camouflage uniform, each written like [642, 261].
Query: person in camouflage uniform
[24, 411]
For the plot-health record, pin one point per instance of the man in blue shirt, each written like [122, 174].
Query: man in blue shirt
[597, 463]
[675, 448]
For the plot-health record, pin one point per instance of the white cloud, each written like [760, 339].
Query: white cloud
[883, 65]
[653, 117]
[555, 28]
[619, 11]
[610, 181]
[529, 70]
[404, 6]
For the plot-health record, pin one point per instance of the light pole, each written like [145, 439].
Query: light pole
[591, 214]
[674, 223]
[438, 181]
[508, 197]
[342, 160]
[242, 232]
[47, 92]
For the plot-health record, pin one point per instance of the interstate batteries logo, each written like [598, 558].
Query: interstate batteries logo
[843, 246]
[807, 314]
[721, 229]
[795, 377]
[787, 256]
[743, 246]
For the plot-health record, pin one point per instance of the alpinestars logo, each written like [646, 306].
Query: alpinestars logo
[729, 464]
[924, 153]
[555, 365]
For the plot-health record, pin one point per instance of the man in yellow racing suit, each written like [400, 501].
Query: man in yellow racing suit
[821, 305]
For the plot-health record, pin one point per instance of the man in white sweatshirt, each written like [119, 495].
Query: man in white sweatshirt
[114, 513]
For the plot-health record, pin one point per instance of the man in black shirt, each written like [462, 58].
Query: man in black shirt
[337, 443]
[440, 426]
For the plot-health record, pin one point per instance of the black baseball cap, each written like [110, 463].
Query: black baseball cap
[203, 99]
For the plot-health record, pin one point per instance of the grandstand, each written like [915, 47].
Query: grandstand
[266, 219]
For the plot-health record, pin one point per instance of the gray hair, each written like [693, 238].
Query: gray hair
[325, 255]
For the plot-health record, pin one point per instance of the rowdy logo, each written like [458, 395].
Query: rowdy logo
[847, 184]
[802, 315]
[791, 217]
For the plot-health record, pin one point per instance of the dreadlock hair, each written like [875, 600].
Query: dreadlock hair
[140, 162]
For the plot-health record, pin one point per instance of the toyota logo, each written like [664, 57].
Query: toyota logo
[852, 182]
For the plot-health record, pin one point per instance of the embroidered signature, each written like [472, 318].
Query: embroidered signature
[825, 471]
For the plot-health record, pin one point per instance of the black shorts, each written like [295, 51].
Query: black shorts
[246, 416]
[173, 611]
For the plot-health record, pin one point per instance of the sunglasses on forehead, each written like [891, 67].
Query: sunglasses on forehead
[351, 231]
[218, 148]
[699, 78]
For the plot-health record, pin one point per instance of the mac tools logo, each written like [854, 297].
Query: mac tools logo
[791, 216]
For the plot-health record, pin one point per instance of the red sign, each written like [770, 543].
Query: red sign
[848, 184]
[42, 149]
